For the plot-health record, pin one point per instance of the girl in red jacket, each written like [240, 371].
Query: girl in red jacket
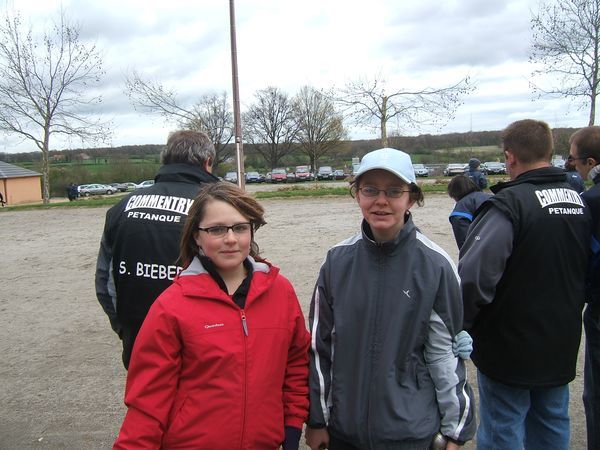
[221, 361]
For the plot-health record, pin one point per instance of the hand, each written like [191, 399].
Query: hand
[462, 345]
[452, 446]
[316, 438]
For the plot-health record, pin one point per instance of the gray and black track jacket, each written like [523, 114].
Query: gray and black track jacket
[382, 318]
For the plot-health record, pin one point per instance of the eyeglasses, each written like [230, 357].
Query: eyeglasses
[393, 192]
[570, 158]
[222, 230]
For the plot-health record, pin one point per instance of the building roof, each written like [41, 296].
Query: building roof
[11, 171]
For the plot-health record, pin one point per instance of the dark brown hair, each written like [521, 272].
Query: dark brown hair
[225, 192]
[461, 185]
[587, 142]
[529, 140]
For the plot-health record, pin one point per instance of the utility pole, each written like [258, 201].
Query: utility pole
[239, 149]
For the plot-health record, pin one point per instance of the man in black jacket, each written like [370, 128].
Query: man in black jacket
[585, 156]
[522, 270]
[140, 244]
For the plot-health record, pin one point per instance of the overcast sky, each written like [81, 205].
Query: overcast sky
[185, 44]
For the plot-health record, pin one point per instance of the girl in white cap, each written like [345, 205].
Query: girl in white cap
[385, 308]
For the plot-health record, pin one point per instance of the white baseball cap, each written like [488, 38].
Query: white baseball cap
[390, 159]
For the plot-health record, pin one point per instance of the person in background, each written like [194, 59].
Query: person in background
[522, 269]
[573, 177]
[2, 202]
[384, 311]
[476, 175]
[72, 192]
[468, 198]
[584, 154]
[221, 361]
[140, 242]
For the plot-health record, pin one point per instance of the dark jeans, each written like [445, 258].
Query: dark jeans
[591, 377]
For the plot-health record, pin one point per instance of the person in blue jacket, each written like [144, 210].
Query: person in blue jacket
[477, 175]
[573, 177]
[468, 198]
[584, 154]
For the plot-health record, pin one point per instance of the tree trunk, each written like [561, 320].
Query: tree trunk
[45, 177]
[592, 109]
[45, 166]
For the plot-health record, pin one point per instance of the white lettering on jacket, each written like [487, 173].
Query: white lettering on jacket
[548, 197]
[161, 202]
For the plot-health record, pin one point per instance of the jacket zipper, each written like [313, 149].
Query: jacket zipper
[245, 329]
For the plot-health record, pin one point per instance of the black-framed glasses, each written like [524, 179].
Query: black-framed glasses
[222, 230]
[372, 191]
[571, 158]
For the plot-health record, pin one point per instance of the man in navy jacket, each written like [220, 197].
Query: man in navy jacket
[584, 154]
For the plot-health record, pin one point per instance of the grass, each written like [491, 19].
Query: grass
[283, 192]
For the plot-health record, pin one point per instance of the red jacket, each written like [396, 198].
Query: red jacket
[199, 380]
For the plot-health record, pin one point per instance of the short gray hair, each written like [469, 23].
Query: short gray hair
[188, 147]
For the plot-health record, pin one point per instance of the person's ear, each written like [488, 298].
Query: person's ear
[208, 165]
[510, 157]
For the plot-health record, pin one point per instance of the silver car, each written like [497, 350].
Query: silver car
[95, 189]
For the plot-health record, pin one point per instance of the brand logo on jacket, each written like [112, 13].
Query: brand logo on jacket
[213, 325]
[407, 292]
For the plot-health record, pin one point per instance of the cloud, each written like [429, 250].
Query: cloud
[185, 46]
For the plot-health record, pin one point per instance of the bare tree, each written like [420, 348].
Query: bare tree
[211, 113]
[320, 127]
[566, 43]
[44, 80]
[269, 124]
[369, 103]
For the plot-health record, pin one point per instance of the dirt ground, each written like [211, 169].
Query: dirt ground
[61, 377]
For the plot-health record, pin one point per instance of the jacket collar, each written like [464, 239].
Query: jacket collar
[536, 176]
[184, 173]
[264, 275]
[407, 230]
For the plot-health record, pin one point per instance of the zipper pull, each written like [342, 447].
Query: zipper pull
[244, 324]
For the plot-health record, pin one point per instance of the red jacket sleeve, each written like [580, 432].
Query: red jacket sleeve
[151, 380]
[295, 387]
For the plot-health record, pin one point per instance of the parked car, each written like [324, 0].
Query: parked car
[130, 186]
[231, 177]
[290, 177]
[253, 177]
[303, 173]
[421, 170]
[558, 161]
[278, 176]
[145, 184]
[455, 169]
[95, 189]
[325, 173]
[339, 174]
[121, 187]
[494, 168]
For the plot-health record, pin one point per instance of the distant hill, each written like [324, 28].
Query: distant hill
[426, 144]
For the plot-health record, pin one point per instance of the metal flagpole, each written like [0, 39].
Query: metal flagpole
[239, 149]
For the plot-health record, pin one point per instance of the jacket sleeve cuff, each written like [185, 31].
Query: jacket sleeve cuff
[292, 438]
[294, 422]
